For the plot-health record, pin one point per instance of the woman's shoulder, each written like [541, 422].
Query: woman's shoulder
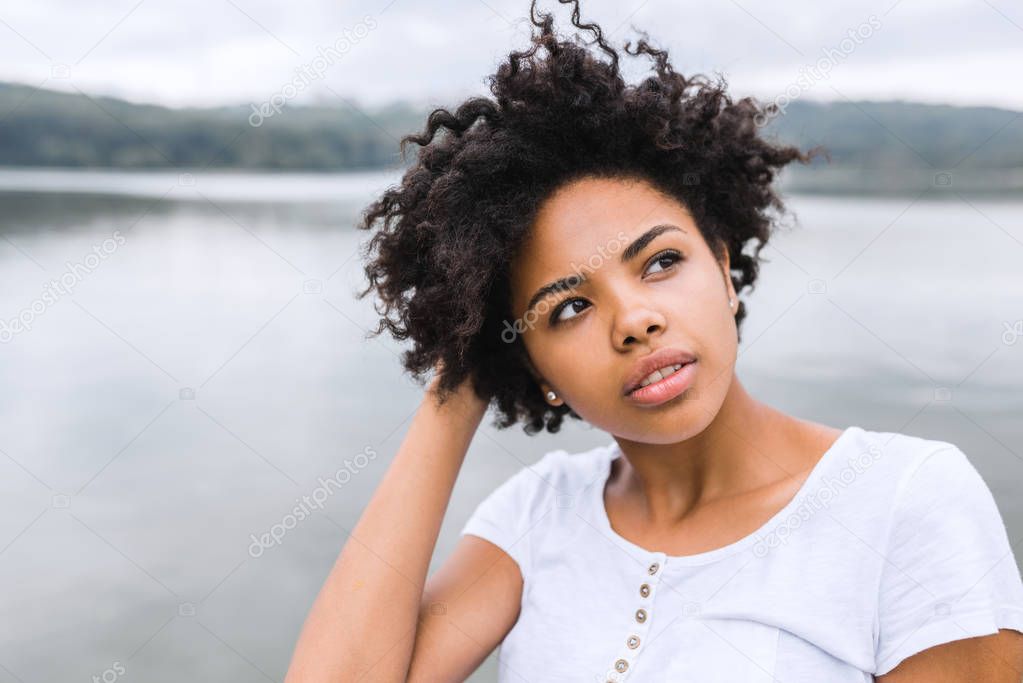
[510, 515]
[565, 465]
[897, 462]
[892, 489]
[907, 526]
[948, 567]
[936, 493]
[557, 472]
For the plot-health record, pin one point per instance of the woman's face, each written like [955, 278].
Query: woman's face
[584, 340]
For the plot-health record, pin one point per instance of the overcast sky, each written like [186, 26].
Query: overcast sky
[208, 52]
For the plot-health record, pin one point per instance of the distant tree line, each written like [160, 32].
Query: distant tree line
[56, 129]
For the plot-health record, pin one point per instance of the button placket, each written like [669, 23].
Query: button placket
[639, 621]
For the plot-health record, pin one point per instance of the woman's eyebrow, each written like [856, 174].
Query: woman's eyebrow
[630, 252]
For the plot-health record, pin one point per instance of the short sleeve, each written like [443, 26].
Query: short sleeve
[949, 571]
[510, 513]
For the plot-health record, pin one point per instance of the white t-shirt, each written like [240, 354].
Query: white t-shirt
[893, 544]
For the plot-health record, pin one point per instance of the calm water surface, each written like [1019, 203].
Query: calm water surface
[207, 365]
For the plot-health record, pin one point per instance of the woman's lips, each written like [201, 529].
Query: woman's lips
[664, 389]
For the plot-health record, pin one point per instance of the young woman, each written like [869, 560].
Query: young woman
[576, 245]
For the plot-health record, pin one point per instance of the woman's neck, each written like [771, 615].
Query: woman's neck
[748, 446]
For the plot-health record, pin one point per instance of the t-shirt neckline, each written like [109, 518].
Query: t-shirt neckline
[612, 451]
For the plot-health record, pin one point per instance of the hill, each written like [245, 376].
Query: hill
[871, 143]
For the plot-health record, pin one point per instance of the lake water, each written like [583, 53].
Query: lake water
[206, 363]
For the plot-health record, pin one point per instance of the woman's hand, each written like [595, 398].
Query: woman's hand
[463, 400]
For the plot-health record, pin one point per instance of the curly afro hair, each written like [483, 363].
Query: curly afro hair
[450, 229]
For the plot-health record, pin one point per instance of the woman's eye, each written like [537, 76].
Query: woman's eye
[664, 260]
[671, 257]
[570, 305]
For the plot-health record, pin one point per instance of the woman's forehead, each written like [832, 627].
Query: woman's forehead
[593, 223]
[595, 215]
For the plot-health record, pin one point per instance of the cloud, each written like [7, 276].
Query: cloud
[210, 52]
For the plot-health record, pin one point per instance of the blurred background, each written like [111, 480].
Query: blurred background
[182, 358]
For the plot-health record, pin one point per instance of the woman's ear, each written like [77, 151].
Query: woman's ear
[725, 262]
[545, 388]
[722, 255]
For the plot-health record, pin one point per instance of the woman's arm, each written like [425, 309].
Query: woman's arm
[469, 606]
[365, 616]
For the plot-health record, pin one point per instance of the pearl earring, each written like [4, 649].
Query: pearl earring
[731, 302]
[551, 396]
